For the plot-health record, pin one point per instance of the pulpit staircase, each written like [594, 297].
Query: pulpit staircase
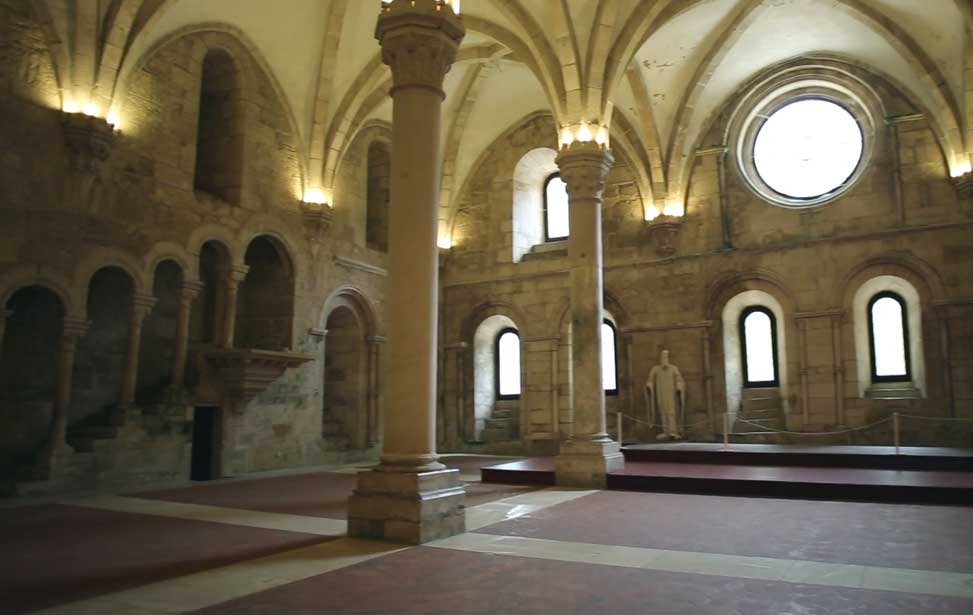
[760, 411]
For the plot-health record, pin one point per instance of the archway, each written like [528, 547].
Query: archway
[345, 412]
[159, 334]
[265, 304]
[101, 354]
[28, 371]
[219, 136]
[206, 322]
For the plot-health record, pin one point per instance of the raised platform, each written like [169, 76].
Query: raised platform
[877, 457]
[916, 475]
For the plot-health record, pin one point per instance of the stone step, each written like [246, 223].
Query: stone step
[769, 413]
[502, 413]
[82, 439]
[760, 403]
[758, 393]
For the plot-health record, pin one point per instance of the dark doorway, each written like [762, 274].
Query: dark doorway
[205, 431]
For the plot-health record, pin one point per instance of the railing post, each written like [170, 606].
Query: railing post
[726, 429]
[895, 431]
[618, 419]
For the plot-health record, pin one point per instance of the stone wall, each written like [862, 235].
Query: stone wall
[666, 286]
[67, 217]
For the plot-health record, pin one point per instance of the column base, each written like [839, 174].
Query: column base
[407, 507]
[586, 463]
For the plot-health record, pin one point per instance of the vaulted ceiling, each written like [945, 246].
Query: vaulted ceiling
[660, 68]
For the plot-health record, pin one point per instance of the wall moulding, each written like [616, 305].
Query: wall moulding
[245, 373]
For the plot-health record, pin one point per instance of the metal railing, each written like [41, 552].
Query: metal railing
[895, 418]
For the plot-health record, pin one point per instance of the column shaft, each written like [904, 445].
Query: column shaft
[73, 329]
[587, 458]
[234, 277]
[141, 306]
[188, 293]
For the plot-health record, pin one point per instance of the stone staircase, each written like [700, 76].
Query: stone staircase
[761, 409]
[503, 425]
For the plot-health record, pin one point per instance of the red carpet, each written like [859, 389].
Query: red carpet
[56, 554]
[430, 581]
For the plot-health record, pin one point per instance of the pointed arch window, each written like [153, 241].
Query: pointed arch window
[556, 224]
[609, 358]
[888, 334]
[507, 367]
[758, 340]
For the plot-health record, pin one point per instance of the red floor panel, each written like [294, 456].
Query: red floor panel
[430, 581]
[56, 554]
[319, 494]
[896, 535]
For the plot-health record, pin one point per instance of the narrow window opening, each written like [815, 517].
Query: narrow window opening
[556, 218]
[609, 358]
[507, 368]
[758, 331]
[888, 331]
[219, 136]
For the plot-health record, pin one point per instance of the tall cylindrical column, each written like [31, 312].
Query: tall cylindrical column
[419, 39]
[72, 330]
[187, 294]
[141, 306]
[591, 454]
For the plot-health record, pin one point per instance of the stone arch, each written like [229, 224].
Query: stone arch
[220, 128]
[102, 257]
[30, 331]
[101, 354]
[217, 234]
[212, 268]
[168, 251]
[265, 301]
[727, 298]
[351, 377]
[159, 331]
[919, 285]
[19, 277]
[527, 209]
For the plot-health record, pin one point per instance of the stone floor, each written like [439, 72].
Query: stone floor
[275, 545]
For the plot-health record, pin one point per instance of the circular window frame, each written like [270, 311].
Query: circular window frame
[763, 101]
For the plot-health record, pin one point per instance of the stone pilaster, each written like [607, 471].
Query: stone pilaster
[372, 430]
[410, 497]
[141, 307]
[187, 294]
[586, 459]
[234, 276]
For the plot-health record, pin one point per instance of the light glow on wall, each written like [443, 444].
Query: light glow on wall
[444, 242]
[92, 110]
[69, 107]
[315, 195]
[651, 213]
[961, 169]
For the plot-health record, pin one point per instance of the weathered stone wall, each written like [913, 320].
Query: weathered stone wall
[903, 218]
[139, 208]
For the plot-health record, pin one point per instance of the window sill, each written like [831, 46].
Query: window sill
[893, 390]
[549, 250]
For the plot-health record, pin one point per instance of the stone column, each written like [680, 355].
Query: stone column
[410, 497]
[586, 459]
[234, 276]
[187, 294]
[73, 329]
[141, 306]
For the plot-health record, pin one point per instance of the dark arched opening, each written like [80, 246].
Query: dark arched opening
[219, 136]
[377, 196]
[265, 305]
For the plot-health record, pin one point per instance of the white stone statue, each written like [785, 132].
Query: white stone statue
[665, 396]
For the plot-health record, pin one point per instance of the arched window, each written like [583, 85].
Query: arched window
[888, 333]
[609, 358]
[219, 137]
[507, 368]
[556, 226]
[379, 175]
[758, 340]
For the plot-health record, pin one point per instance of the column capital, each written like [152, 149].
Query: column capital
[73, 328]
[190, 289]
[142, 305]
[419, 40]
[236, 274]
[584, 168]
[375, 340]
